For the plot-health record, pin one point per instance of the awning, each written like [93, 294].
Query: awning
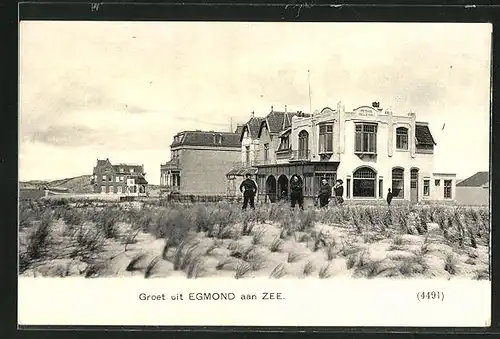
[241, 172]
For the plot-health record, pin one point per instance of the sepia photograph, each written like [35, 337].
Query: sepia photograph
[242, 151]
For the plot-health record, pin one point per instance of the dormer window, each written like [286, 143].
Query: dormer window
[402, 138]
[131, 170]
[366, 138]
[326, 138]
[218, 139]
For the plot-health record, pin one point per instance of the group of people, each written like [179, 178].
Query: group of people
[249, 189]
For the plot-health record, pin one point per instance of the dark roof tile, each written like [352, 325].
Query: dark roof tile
[423, 135]
[477, 180]
[204, 138]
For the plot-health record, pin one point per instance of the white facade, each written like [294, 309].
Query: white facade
[380, 143]
[249, 149]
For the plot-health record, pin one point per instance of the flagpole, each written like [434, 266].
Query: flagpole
[309, 83]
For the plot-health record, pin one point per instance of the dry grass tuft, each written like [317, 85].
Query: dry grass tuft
[324, 272]
[278, 272]
[276, 245]
[150, 267]
[242, 270]
[308, 269]
[293, 257]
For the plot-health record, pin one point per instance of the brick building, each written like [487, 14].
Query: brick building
[370, 149]
[123, 179]
[199, 162]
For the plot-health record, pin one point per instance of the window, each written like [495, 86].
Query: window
[447, 189]
[247, 155]
[122, 178]
[303, 144]
[266, 152]
[122, 170]
[402, 138]
[110, 178]
[218, 139]
[325, 138]
[284, 143]
[398, 183]
[119, 190]
[380, 188]
[103, 178]
[426, 187]
[436, 182]
[366, 138]
[117, 179]
[131, 170]
[348, 191]
[103, 189]
[364, 183]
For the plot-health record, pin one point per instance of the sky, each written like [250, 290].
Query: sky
[121, 90]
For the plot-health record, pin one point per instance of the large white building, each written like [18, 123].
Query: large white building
[369, 148]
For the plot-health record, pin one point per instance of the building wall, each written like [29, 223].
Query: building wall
[473, 196]
[273, 141]
[387, 157]
[252, 143]
[203, 170]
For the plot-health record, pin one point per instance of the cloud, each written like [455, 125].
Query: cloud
[65, 136]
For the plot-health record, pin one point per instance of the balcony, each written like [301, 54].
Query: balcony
[170, 165]
[300, 155]
[283, 154]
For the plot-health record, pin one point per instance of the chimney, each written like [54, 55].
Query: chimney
[285, 109]
[253, 114]
[376, 104]
[272, 108]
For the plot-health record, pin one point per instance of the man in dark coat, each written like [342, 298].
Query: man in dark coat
[296, 194]
[249, 189]
[389, 197]
[325, 192]
[339, 191]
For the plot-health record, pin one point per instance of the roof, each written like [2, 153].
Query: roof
[127, 167]
[242, 171]
[277, 122]
[477, 180]
[253, 126]
[139, 179]
[423, 135]
[239, 129]
[204, 138]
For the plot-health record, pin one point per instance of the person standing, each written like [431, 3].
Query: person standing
[325, 192]
[339, 191]
[296, 194]
[390, 195]
[249, 189]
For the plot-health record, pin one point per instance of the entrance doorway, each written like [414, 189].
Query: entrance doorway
[414, 185]
[283, 187]
[271, 188]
